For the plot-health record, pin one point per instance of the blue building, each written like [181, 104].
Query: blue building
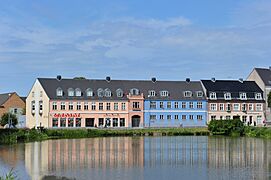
[175, 104]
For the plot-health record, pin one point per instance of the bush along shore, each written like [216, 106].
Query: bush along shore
[8, 136]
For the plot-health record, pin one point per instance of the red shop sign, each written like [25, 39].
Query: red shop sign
[67, 115]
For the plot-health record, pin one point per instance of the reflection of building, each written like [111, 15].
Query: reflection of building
[72, 154]
[11, 155]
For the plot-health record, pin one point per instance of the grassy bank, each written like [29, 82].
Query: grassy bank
[8, 136]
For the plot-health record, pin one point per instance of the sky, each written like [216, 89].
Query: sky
[131, 39]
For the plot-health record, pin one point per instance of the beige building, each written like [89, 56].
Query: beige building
[262, 76]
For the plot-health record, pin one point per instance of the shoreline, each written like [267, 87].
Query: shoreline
[14, 136]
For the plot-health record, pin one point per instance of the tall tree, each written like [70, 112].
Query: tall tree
[5, 117]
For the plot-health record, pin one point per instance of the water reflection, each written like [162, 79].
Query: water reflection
[144, 158]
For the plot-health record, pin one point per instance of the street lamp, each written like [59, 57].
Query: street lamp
[9, 121]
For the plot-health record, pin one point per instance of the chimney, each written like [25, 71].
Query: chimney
[153, 79]
[108, 79]
[187, 80]
[241, 80]
[213, 79]
[58, 77]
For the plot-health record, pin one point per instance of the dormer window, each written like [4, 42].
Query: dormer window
[78, 92]
[258, 96]
[107, 93]
[164, 93]
[100, 92]
[70, 92]
[89, 92]
[212, 95]
[152, 93]
[59, 92]
[243, 96]
[187, 94]
[199, 94]
[119, 93]
[134, 91]
[227, 96]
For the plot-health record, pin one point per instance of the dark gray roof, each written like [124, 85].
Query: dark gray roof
[233, 86]
[23, 98]
[4, 97]
[265, 75]
[175, 88]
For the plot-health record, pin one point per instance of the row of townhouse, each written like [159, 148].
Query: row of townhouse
[61, 103]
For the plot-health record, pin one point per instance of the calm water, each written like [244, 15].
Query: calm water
[140, 158]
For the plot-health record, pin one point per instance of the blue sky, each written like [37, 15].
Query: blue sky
[167, 39]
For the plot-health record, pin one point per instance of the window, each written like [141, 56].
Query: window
[33, 94]
[93, 106]
[108, 106]
[244, 107]
[191, 105]
[199, 117]
[176, 105]
[78, 92]
[78, 106]
[78, 122]
[70, 105]
[116, 106]
[119, 93]
[221, 117]
[164, 93]
[221, 107]
[40, 93]
[55, 122]
[228, 107]
[168, 117]
[134, 91]
[243, 96]
[228, 117]
[187, 94]
[152, 105]
[54, 106]
[169, 105]
[259, 119]
[176, 117]
[33, 106]
[162, 117]
[89, 92]
[62, 122]
[15, 111]
[152, 117]
[101, 106]
[199, 105]
[213, 117]
[183, 117]
[101, 121]
[244, 119]
[86, 106]
[227, 96]
[136, 105]
[258, 96]
[200, 94]
[236, 107]
[183, 105]
[107, 93]
[70, 122]
[212, 95]
[122, 122]
[151, 93]
[191, 117]
[161, 105]
[250, 107]
[70, 92]
[123, 106]
[40, 106]
[213, 107]
[259, 107]
[62, 106]
[59, 92]
[115, 122]
[100, 92]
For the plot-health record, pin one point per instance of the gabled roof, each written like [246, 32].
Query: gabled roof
[4, 97]
[265, 75]
[233, 86]
[175, 88]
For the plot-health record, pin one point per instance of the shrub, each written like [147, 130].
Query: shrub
[226, 127]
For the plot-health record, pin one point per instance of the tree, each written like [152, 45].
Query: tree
[6, 116]
[269, 100]
[79, 78]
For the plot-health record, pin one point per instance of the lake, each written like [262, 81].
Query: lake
[182, 157]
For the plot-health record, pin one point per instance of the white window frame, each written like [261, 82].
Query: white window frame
[259, 107]
[227, 96]
[243, 96]
[59, 92]
[89, 92]
[199, 94]
[221, 107]
[70, 92]
[212, 95]
[78, 92]
[187, 94]
[236, 107]
[258, 96]
[213, 107]
[152, 93]
[164, 93]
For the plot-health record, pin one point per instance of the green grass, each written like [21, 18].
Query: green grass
[9, 176]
